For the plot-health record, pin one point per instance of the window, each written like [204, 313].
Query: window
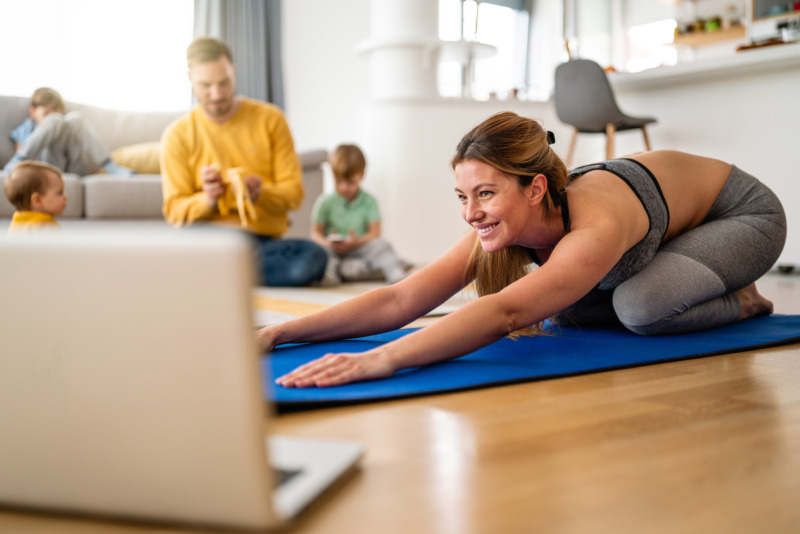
[122, 55]
[504, 25]
[650, 45]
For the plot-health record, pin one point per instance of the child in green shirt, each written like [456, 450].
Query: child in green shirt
[347, 224]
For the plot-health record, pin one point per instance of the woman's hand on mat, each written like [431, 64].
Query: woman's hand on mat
[337, 369]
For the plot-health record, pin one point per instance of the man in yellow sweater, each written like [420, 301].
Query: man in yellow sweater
[231, 162]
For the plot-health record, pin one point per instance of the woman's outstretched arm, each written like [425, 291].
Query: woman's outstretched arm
[576, 265]
[379, 310]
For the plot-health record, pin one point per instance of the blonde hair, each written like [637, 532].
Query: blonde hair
[26, 178]
[50, 98]
[518, 147]
[205, 49]
[347, 161]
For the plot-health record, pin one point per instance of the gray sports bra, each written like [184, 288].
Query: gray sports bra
[645, 186]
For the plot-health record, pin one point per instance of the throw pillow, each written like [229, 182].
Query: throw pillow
[142, 158]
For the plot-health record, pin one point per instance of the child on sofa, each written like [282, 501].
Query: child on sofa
[36, 190]
[347, 224]
[64, 140]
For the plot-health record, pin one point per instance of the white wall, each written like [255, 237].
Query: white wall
[326, 81]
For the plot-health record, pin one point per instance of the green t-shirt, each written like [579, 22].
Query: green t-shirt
[339, 215]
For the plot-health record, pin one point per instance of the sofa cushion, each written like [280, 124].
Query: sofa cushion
[72, 188]
[119, 128]
[312, 158]
[117, 197]
[300, 220]
[13, 111]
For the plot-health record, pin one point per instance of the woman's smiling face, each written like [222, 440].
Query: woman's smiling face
[493, 203]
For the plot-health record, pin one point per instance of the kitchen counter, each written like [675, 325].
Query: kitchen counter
[745, 62]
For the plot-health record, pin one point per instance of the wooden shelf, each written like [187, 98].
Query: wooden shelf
[712, 37]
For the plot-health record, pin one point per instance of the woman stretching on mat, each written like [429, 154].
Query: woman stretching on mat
[663, 242]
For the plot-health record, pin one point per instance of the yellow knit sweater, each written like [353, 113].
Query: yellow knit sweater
[27, 221]
[256, 138]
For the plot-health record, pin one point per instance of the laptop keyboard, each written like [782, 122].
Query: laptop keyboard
[282, 476]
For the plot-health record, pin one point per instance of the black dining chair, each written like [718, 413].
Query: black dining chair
[584, 100]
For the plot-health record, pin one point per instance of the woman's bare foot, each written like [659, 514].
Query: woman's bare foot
[753, 303]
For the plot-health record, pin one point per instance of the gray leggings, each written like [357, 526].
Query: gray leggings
[66, 141]
[688, 286]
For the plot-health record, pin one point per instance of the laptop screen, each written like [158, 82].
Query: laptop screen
[129, 382]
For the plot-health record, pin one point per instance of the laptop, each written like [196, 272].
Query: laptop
[131, 386]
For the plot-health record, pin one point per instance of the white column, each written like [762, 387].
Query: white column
[403, 49]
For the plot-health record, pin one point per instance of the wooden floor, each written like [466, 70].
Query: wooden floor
[702, 446]
[707, 445]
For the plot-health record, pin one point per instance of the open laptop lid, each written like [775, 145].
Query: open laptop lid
[129, 383]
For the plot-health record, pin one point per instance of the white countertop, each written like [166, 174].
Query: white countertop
[745, 62]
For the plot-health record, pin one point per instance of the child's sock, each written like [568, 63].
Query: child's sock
[112, 168]
[13, 161]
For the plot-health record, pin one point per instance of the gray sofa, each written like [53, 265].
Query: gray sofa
[105, 199]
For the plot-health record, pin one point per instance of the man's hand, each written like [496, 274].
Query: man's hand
[212, 183]
[253, 183]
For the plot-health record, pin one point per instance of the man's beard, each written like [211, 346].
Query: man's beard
[219, 108]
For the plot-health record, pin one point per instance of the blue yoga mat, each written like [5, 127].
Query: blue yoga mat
[569, 351]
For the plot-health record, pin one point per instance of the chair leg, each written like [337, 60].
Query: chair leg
[571, 149]
[646, 139]
[610, 131]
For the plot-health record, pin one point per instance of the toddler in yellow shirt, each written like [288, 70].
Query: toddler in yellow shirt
[36, 190]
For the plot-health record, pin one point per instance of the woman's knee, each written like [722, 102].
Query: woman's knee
[655, 329]
[643, 310]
